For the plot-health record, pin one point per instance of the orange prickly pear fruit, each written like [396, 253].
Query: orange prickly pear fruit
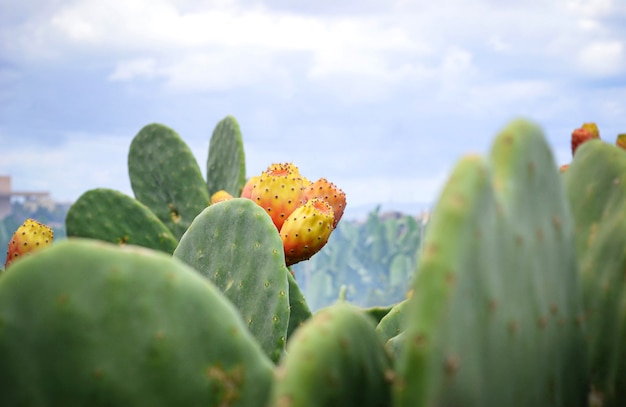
[579, 136]
[246, 192]
[279, 191]
[330, 193]
[306, 230]
[621, 140]
[220, 196]
[593, 129]
[30, 236]
[563, 168]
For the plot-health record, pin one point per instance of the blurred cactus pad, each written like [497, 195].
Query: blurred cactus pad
[509, 293]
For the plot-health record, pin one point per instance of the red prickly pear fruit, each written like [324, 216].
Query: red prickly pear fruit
[593, 129]
[329, 192]
[579, 136]
[220, 196]
[246, 192]
[279, 191]
[30, 236]
[621, 141]
[306, 230]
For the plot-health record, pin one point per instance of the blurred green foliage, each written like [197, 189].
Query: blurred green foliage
[374, 259]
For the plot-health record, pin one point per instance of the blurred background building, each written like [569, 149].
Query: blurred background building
[30, 199]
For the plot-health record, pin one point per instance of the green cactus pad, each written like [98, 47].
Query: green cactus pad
[114, 217]
[335, 359]
[378, 312]
[235, 244]
[391, 329]
[299, 310]
[494, 319]
[393, 322]
[596, 188]
[226, 162]
[165, 176]
[87, 323]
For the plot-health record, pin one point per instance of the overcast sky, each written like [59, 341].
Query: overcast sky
[381, 97]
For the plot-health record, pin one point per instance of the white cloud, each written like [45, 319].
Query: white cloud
[498, 44]
[603, 58]
[592, 8]
[410, 64]
[134, 68]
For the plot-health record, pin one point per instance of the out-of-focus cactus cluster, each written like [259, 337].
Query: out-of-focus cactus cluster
[183, 295]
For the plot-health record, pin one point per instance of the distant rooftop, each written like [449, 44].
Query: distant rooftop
[6, 193]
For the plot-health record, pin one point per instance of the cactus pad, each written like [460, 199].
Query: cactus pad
[86, 323]
[596, 188]
[226, 161]
[335, 359]
[494, 319]
[114, 217]
[165, 176]
[235, 244]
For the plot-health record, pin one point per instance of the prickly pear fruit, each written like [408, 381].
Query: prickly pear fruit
[593, 129]
[246, 192]
[30, 236]
[279, 191]
[329, 192]
[581, 135]
[220, 196]
[335, 358]
[621, 141]
[306, 230]
[88, 323]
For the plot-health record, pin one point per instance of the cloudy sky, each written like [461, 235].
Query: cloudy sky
[380, 96]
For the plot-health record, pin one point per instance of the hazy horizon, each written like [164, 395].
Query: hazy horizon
[380, 97]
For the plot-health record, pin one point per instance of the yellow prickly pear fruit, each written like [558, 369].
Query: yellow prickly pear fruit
[621, 140]
[306, 230]
[329, 192]
[30, 236]
[220, 196]
[279, 191]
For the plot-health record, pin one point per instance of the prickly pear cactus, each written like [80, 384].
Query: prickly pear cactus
[165, 176]
[86, 323]
[494, 319]
[299, 310]
[392, 324]
[596, 188]
[226, 161]
[235, 244]
[114, 217]
[335, 358]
